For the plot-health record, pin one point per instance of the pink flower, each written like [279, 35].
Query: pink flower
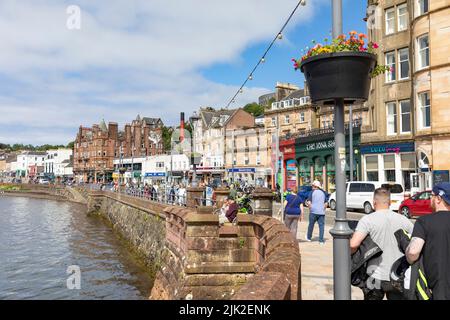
[375, 45]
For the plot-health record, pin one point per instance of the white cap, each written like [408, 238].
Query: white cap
[317, 184]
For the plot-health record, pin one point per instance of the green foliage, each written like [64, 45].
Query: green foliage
[254, 109]
[29, 147]
[166, 136]
[241, 243]
[354, 43]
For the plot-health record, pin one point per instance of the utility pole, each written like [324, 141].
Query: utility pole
[350, 132]
[232, 154]
[341, 232]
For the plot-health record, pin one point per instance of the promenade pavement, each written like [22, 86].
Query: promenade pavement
[317, 260]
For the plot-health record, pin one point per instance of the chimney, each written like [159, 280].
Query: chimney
[113, 130]
[181, 126]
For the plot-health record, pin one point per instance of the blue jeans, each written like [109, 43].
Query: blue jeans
[320, 218]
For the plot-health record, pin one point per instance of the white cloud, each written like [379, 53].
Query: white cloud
[129, 57]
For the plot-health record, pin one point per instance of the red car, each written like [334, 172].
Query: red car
[418, 205]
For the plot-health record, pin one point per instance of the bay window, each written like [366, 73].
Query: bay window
[423, 51]
[424, 110]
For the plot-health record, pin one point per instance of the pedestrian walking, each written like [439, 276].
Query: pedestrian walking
[317, 203]
[381, 226]
[293, 211]
[431, 239]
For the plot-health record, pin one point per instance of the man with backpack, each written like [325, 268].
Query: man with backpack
[431, 239]
[381, 226]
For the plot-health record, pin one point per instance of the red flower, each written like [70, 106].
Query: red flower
[375, 45]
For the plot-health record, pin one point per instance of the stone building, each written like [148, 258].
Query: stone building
[246, 155]
[409, 107]
[306, 134]
[141, 138]
[94, 150]
[209, 134]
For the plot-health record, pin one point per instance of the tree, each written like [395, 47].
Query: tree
[254, 109]
[166, 136]
[70, 145]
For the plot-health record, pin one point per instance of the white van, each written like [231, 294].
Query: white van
[360, 195]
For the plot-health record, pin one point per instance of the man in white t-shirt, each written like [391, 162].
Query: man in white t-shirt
[381, 226]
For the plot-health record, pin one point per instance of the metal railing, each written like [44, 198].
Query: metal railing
[357, 123]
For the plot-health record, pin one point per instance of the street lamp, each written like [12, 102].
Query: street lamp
[341, 232]
[192, 120]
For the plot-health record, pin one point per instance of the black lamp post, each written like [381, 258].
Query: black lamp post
[192, 120]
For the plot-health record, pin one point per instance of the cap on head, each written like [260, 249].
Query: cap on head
[443, 190]
[317, 184]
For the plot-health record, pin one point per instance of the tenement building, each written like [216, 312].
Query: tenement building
[212, 132]
[306, 133]
[141, 138]
[409, 142]
[94, 150]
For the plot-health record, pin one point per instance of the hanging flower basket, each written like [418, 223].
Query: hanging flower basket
[339, 75]
[340, 70]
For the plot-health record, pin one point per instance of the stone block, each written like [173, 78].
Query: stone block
[203, 219]
[227, 256]
[202, 231]
[228, 231]
[265, 286]
[220, 267]
[214, 280]
[210, 243]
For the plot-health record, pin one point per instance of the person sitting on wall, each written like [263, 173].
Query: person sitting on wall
[229, 211]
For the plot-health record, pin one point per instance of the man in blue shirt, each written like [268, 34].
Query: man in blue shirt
[317, 203]
[293, 211]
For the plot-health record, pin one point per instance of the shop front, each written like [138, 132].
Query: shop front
[394, 162]
[287, 148]
[315, 159]
[154, 177]
[242, 174]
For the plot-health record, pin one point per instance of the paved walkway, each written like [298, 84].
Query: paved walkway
[317, 260]
[317, 265]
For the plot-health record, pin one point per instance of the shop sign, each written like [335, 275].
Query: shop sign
[388, 148]
[320, 145]
[252, 170]
[155, 174]
[440, 176]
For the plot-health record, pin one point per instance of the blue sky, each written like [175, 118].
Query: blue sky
[149, 57]
[279, 66]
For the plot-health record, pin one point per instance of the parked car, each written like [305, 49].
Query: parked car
[360, 195]
[44, 181]
[417, 205]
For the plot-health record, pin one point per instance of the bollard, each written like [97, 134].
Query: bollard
[194, 193]
[262, 201]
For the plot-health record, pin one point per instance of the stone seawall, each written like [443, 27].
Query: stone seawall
[191, 255]
[196, 258]
[51, 192]
[140, 222]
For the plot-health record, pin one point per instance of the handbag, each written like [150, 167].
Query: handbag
[290, 205]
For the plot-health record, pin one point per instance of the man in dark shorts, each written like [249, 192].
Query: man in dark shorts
[431, 238]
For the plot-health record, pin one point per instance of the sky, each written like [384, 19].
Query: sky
[155, 58]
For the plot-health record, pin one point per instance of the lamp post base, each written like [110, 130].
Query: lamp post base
[341, 233]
